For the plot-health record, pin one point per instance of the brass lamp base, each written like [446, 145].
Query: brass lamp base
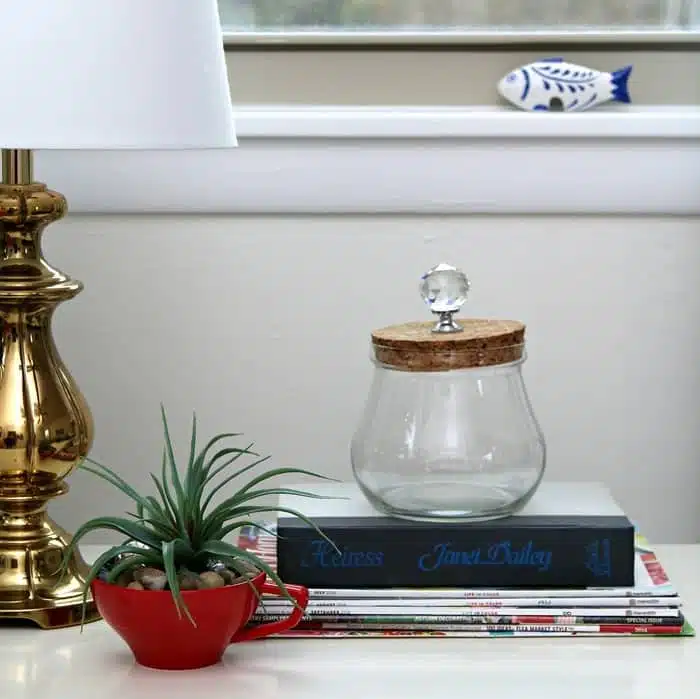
[45, 424]
[31, 588]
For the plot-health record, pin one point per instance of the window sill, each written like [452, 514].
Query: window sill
[335, 160]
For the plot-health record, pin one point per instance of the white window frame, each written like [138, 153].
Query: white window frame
[373, 160]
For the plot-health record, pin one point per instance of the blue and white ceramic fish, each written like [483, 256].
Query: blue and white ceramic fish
[552, 84]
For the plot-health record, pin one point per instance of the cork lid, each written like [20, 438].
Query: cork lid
[447, 344]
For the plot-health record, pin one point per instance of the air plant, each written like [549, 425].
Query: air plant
[179, 529]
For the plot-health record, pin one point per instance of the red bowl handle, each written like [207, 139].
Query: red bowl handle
[300, 595]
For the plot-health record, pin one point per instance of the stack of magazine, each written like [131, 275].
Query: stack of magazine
[651, 608]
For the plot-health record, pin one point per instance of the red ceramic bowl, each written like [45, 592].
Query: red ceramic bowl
[149, 624]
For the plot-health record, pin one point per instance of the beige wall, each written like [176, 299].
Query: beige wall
[450, 77]
[261, 325]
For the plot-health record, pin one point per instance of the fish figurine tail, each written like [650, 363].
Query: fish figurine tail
[619, 79]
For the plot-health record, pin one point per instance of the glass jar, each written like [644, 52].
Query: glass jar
[448, 432]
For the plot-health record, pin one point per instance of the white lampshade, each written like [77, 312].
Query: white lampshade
[113, 74]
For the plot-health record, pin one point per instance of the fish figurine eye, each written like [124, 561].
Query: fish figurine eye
[512, 86]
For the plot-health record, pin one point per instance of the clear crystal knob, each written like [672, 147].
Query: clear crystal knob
[444, 289]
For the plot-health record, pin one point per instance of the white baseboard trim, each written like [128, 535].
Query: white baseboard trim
[374, 160]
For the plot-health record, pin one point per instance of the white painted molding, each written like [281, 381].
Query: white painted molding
[334, 160]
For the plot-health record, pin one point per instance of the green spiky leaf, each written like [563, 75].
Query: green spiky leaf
[240, 523]
[174, 475]
[134, 530]
[274, 473]
[113, 479]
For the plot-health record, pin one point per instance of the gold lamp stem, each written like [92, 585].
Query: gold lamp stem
[17, 166]
[45, 424]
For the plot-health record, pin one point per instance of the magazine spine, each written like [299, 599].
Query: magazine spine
[459, 612]
[564, 631]
[537, 626]
[369, 603]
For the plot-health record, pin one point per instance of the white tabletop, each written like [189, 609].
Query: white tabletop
[63, 664]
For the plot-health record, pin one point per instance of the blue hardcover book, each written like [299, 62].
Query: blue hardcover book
[570, 535]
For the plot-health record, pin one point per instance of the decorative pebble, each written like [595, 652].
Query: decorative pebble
[245, 569]
[123, 579]
[151, 578]
[189, 580]
[229, 577]
[210, 579]
[135, 586]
